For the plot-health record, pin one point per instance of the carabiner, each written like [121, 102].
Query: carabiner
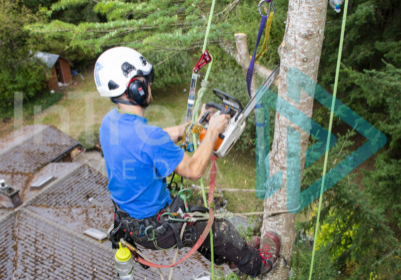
[153, 233]
[263, 2]
[182, 195]
[143, 232]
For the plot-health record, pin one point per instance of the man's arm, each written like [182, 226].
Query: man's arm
[193, 167]
[176, 132]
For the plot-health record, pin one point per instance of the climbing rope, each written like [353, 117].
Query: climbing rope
[329, 133]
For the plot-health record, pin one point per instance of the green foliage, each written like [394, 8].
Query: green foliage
[34, 5]
[379, 93]
[44, 99]
[170, 71]
[301, 260]
[361, 224]
[372, 33]
[89, 138]
[18, 70]
[353, 229]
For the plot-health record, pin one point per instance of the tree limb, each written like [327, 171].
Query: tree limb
[242, 55]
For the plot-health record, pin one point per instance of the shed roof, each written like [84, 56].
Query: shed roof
[48, 58]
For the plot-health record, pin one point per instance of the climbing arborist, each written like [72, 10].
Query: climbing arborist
[140, 156]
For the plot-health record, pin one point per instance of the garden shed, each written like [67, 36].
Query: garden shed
[61, 72]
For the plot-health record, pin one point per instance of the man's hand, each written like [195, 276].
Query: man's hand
[203, 111]
[193, 168]
[219, 123]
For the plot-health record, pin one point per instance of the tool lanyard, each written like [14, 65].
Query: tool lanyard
[263, 21]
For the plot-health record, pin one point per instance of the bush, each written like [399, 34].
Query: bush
[89, 138]
[44, 99]
[19, 72]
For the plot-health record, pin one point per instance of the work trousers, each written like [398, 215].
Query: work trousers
[229, 245]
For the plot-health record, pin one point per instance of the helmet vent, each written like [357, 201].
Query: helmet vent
[144, 62]
[127, 68]
[112, 85]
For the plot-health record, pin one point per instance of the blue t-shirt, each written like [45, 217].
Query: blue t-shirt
[138, 159]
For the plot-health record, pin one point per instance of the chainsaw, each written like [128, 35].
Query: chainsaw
[233, 107]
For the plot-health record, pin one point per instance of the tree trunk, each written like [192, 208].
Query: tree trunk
[301, 48]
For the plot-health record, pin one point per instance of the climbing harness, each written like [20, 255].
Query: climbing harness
[263, 21]
[146, 263]
[326, 156]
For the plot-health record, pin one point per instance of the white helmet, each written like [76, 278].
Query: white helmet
[116, 67]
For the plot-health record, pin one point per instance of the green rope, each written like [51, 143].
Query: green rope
[195, 140]
[328, 133]
[209, 24]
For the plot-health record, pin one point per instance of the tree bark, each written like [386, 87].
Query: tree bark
[301, 48]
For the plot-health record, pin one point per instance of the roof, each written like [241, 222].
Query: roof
[27, 152]
[6, 246]
[49, 59]
[46, 237]
[43, 238]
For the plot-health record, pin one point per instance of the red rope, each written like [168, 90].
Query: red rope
[213, 172]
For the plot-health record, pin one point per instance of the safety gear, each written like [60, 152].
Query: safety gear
[269, 251]
[115, 73]
[137, 92]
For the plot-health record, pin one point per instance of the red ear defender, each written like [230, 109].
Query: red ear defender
[137, 92]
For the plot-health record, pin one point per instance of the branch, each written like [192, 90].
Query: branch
[230, 7]
[242, 56]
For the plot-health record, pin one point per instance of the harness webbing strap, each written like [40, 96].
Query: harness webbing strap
[176, 233]
[265, 45]
[249, 73]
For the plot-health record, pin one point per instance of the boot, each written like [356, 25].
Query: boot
[255, 243]
[269, 251]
